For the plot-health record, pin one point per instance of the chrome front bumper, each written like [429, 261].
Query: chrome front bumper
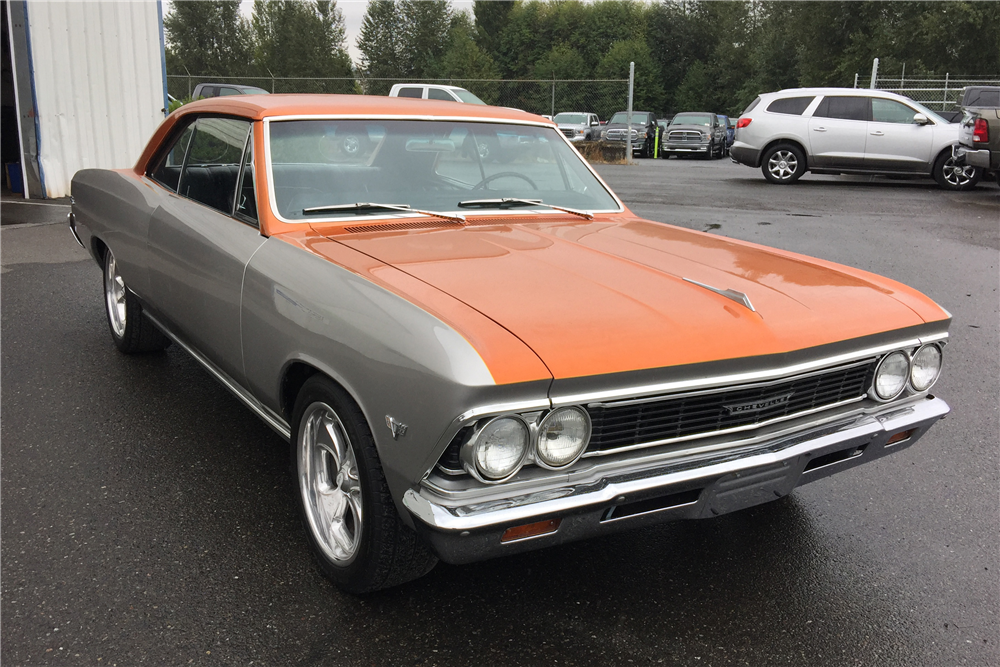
[685, 148]
[668, 491]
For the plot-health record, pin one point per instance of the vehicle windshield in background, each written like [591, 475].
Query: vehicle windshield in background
[430, 165]
[571, 118]
[467, 97]
[692, 119]
[924, 110]
[622, 117]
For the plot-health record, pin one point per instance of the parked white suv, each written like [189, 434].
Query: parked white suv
[848, 130]
[432, 91]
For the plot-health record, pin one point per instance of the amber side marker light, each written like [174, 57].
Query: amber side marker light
[530, 530]
[900, 437]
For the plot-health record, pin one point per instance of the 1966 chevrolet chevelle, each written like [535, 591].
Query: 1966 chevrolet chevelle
[473, 347]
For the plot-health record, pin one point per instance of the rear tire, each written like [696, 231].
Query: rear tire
[131, 330]
[951, 176]
[783, 164]
[349, 516]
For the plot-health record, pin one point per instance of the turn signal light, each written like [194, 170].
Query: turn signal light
[981, 132]
[900, 437]
[743, 122]
[530, 530]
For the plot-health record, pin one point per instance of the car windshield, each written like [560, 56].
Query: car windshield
[927, 112]
[429, 165]
[571, 118]
[466, 96]
[692, 119]
[638, 117]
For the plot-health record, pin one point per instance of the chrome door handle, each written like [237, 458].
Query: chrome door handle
[819, 129]
[877, 133]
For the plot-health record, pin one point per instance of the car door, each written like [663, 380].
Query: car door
[202, 236]
[838, 131]
[895, 142]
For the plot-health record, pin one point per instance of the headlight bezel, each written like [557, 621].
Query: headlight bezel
[468, 451]
[906, 382]
[537, 458]
[940, 354]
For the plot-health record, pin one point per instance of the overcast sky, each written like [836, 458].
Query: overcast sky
[354, 14]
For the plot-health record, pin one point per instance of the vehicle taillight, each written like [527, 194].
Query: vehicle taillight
[743, 122]
[981, 132]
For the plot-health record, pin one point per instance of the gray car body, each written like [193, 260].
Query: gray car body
[679, 140]
[251, 314]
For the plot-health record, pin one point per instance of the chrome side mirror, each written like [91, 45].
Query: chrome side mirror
[921, 119]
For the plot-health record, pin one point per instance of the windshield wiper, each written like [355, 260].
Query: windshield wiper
[509, 202]
[369, 206]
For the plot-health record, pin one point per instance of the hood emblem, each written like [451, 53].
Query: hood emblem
[738, 297]
[757, 406]
[398, 428]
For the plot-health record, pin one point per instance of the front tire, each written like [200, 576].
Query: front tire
[348, 513]
[131, 330]
[951, 176]
[783, 164]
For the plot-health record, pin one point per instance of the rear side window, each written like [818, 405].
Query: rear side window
[438, 94]
[168, 171]
[411, 92]
[793, 106]
[213, 162]
[843, 107]
[751, 107]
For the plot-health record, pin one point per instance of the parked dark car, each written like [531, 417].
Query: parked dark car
[223, 89]
[699, 133]
[643, 131]
[980, 133]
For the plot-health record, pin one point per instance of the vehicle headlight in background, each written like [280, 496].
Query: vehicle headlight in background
[891, 375]
[498, 450]
[925, 367]
[562, 437]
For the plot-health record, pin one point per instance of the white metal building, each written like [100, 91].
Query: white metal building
[86, 84]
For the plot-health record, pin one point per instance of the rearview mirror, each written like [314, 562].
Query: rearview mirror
[921, 119]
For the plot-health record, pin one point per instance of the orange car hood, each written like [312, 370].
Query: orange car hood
[603, 297]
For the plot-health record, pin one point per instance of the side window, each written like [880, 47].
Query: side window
[438, 94]
[891, 111]
[228, 91]
[246, 198]
[411, 92]
[213, 162]
[844, 107]
[793, 106]
[168, 171]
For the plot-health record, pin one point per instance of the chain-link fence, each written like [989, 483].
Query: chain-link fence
[935, 93]
[548, 97]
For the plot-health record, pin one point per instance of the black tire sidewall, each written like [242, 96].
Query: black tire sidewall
[799, 155]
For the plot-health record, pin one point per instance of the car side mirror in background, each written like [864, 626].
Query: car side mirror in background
[921, 119]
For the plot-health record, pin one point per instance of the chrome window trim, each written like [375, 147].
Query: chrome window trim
[421, 117]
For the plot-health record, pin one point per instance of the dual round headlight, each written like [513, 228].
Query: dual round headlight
[897, 368]
[499, 449]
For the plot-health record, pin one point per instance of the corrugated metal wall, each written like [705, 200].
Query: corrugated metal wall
[99, 84]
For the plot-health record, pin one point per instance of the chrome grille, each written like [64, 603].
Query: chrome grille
[618, 134]
[628, 423]
[569, 132]
[681, 136]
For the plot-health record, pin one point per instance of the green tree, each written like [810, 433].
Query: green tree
[381, 46]
[424, 32]
[490, 20]
[302, 39]
[648, 91]
[209, 39]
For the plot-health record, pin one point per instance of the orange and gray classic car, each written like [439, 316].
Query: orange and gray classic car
[475, 354]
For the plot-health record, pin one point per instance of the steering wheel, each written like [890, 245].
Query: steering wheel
[481, 185]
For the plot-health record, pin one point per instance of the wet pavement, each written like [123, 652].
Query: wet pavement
[149, 518]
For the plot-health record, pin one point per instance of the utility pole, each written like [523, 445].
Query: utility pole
[628, 130]
[874, 73]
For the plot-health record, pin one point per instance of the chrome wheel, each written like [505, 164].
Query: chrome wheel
[330, 484]
[957, 175]
[114, 295]
[783, 165]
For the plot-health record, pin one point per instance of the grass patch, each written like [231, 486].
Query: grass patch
[602, 152]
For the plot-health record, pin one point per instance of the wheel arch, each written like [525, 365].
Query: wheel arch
[783, 140]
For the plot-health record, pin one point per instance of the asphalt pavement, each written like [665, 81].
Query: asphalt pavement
[148, 518]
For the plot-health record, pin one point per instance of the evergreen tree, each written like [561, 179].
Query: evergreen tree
[381, 46]
[491, 18]
[425, 28]
[210, 39]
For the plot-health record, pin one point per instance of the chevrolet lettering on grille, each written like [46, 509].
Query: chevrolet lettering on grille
[758, 405]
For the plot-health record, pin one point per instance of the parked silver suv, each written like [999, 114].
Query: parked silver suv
[848, 130]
